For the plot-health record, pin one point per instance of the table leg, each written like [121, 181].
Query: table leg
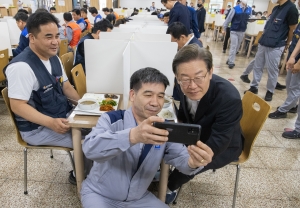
[163, 181]
[250, 46]
[78, 157]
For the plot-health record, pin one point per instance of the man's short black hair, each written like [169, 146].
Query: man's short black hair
[37, 19]
[67, 16]
[21, 16]
[23, 10]
[105, 9]
[253, 6]
[93, 10]
[76, 11]
[83, 10]
[52, 8]
[102, 25]
[176, 29]
[259, 13]
[167, 14]
[147, 75]
[111, 10]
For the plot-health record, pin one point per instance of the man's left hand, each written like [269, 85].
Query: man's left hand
[200, 155]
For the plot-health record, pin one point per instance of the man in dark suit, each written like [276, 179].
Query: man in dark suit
[180, 35]
[178, 13]
[210, 101]
[201, 14]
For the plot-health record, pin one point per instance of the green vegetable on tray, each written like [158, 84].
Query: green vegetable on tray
[108, 102]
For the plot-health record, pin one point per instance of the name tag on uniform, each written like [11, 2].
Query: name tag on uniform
[157, 147]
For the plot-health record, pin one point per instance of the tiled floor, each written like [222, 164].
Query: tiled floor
[271, 178]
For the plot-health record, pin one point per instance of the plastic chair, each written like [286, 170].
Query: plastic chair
[67, 61]
[27, 146]
[255, 113]
[84, 33]
[63, 47]
[4, 59]
[79, 79]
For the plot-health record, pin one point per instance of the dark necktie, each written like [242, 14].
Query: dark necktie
[144, 153]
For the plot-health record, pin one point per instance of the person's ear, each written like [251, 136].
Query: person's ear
[131, 95]
[98, 32]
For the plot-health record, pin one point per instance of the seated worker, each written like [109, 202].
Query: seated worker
[95, 14]
[52, 10]
[127, 149]
[210, 101]
[79, 20]
[109, 16]
[115, 13]
[166, 17]
[102, 26]
[38, 88]
[21, 20]
[181, 36]
[72, 31]
[83, 12]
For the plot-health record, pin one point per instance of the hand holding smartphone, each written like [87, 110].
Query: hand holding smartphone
[182, 133]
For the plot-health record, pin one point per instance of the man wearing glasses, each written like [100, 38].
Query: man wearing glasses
[210, 101]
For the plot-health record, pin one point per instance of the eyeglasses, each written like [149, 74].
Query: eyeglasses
[197, 80]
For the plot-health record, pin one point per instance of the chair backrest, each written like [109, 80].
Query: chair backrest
[63, 47]
[84, 33]
[79, 79]
[257, 38]
[255, 113]
[4, 59]
[67, 61]
[6, 99]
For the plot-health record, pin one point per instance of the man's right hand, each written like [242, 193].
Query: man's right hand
[147, 134]
[290, 63]
[59, 125]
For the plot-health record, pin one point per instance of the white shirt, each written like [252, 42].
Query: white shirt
[22, 80]
[189, 41]
[192, 106]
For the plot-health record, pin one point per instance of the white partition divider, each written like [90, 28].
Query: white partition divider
[131, 25]
[110, 63]
[152, 37]
[153, 31]
[126, 74]
[60, 17]
[210, 18]
[154, 27]
[254, 27]
[116, 36]
[14, 31]
[8, 17]
[157, 23]
[104, 65]
[123, 30]
[4, 37]
[158, 55]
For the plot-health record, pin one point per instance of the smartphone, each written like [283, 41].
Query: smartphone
[182, 133]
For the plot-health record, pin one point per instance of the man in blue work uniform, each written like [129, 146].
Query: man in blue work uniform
[238, 18]
[76, 14]
[277, 36]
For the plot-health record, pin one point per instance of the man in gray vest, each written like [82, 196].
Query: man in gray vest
[238, 18]
[277, 36]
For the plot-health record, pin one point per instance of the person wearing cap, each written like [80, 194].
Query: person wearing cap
[278, 33]
[238, 17]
